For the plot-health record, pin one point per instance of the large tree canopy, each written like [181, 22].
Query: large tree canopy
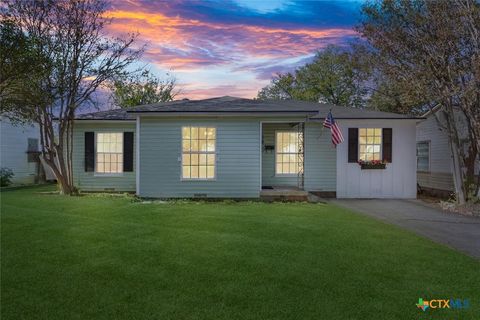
[430, 50]
[78, 57]
[21, 70]
[144, 88]
[331, 77]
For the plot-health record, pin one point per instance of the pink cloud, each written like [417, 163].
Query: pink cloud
[231, 57]
[184, 43]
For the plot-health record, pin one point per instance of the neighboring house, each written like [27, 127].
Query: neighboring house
[19, 151]
[235, 148]
[434, 156]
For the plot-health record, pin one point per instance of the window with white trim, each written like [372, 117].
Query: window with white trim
[109, 152]
[369, 144]
[423, 156]
[198, 153]
[287, 152]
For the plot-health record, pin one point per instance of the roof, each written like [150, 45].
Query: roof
[115, 114]
[241, 106]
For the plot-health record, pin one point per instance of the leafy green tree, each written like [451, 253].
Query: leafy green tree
[281, 87]
[331, 77]
[144, 88]
[79, 58]
[430, 50]
[21, 72]
[381, 91]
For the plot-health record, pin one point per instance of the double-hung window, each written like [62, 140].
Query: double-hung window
[423, 156]
[109, 152]
[287, 153]
[370, 144]
[198, 153]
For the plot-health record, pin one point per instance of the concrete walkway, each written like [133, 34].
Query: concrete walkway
[456, 231]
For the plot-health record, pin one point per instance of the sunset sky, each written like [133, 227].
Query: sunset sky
[232, 47]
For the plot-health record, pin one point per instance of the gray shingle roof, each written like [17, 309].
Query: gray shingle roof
[242, 106]
[115, 114]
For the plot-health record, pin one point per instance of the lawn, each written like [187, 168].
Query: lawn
[111, 257]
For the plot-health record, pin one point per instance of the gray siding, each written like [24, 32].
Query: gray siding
[320, 159]
[237, 166]
[440, 174]
[89, 181]
[13, 151]
[440, 155]
[435, 180]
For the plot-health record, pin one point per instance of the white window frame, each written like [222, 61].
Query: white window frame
[107, 174]
[199, 152]
[359, 144]
[428, 142]
[276, 154]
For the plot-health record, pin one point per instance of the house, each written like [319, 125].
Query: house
[19, 150]
[434, 156]
[239, 148]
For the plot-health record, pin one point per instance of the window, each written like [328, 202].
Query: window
[32, 145]
[287, 152]
[370, 144]
[32, 150]
[109, 152]
[198, 152]
[423, 156]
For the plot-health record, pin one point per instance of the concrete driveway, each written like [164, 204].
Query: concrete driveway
[456, 231]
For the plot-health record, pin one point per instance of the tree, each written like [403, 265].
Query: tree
[281, 87]
[20, 71]
[432, 49]
[383, 92]
[144, 88]
[331, 77]
[79, 60]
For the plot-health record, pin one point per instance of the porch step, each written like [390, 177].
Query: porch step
[283, 195]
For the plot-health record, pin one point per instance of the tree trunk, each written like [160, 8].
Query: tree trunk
[55, 156]
[457, 158]
[457, 174]
[64, 180]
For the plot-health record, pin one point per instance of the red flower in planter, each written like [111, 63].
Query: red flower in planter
[370, 164]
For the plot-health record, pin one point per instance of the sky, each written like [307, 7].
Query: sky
[231, 47]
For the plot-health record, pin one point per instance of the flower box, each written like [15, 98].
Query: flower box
[375, 164]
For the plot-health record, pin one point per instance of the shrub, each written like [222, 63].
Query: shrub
[6, 175]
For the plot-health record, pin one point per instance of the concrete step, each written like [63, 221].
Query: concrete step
[283, 195]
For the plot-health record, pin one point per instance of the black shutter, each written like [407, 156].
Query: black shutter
[89, 151]
[387, 144]
[352, 144]
[127, 151]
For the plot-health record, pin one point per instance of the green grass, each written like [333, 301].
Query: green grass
[110, 257]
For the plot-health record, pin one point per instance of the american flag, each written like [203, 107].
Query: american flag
[330, 123]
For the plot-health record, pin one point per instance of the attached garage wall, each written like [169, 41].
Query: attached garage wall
[398, 180]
